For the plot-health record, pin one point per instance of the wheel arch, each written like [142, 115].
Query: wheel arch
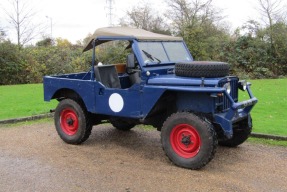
[160, 110]
[66, 93]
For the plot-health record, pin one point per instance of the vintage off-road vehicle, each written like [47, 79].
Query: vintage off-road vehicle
[193, 103]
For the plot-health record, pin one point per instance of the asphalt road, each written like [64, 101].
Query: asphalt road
[33, 158]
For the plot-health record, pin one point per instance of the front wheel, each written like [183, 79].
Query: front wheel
[72, 122]
[188, 141]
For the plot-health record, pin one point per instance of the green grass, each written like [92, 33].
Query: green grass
[270, 113]
[267, 142]
[27, 123]
[23, 100]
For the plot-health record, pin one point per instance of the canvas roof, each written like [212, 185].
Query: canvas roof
[127, 32]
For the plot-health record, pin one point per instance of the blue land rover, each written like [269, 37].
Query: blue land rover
[193, 103]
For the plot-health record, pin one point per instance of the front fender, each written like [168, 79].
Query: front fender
[151, 94]
[236, 112]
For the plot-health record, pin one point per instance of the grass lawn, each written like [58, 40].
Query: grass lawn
[267, 141]
[23, 101]
[270, 113]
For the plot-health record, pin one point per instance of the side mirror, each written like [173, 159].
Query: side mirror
[131, 61]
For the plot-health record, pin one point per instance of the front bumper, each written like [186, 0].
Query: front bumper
[237, 112]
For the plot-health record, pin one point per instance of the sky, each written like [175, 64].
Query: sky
[74, 20]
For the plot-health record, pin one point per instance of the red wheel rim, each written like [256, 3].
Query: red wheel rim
[185, 140]
[69, 121]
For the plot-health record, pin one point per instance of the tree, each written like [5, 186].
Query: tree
[274, 19]
[21, 17]
[272, 12]
[188, 14]
[86, 40]
[11, 64]
[47, 41]
[197, 22]
[279, 30]
[2, 34]
[63, 42]
[144, 17]
[252, 28]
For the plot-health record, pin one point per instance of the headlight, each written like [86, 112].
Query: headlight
[242, 85]
[227, 87]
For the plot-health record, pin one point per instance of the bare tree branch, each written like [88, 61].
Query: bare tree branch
[272, 12]
[187, 14]
[143, 16]
[21, 18]
[2, 34]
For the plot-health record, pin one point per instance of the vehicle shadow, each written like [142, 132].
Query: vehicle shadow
[136, 142]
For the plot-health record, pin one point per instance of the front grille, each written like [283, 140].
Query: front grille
[223, 102]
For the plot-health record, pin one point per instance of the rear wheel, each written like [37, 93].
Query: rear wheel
[188, 141]
[72, 122]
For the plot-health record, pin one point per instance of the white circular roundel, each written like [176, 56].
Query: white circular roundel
[116, 102]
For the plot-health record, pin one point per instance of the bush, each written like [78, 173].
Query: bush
[11, 64]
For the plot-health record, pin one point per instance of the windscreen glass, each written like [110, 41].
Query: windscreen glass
[163, 52]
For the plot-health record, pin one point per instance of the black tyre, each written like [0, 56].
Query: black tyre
[241, 133]
[202, 69]
[72, 122]
[188, 141]
[122, 124]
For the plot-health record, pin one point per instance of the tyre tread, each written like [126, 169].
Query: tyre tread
[202, 69]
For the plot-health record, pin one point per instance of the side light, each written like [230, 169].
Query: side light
[242, 85]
